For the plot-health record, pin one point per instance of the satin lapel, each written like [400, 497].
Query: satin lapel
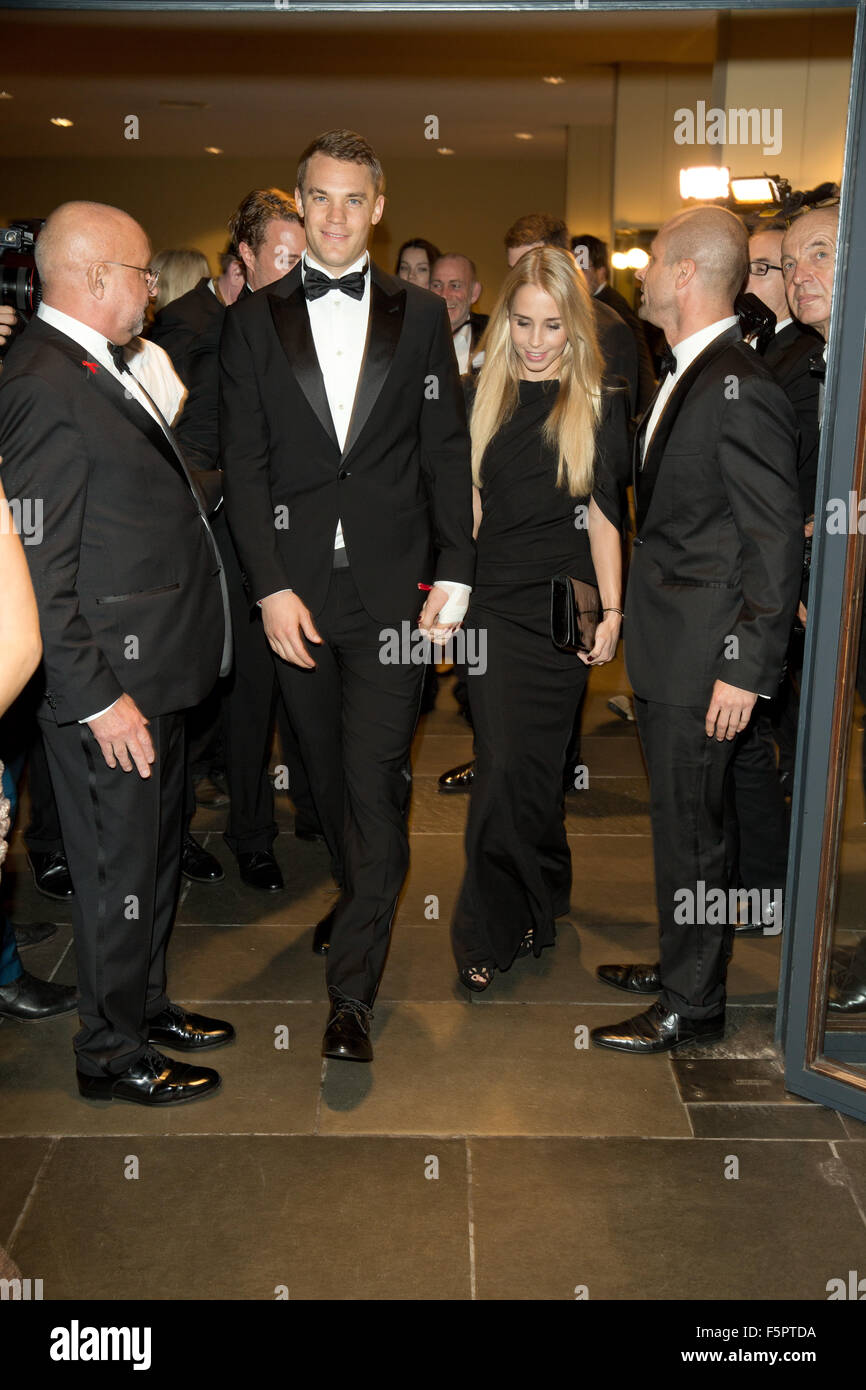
[645, 479]
[108, 386]
[383, 334]
[292, 323]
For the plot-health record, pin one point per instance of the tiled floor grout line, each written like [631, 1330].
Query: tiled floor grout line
[319, 1097]
[55, 1140]
[848, 1183]
[65, 953]
[471, 1217]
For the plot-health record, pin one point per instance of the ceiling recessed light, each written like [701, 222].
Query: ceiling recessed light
[553, 81]
[443, 149]
[523, 135]
[6, 96]
[61, 121]
[212, 149]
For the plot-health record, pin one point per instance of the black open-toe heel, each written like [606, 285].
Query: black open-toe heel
[525, 947]
[477, 977]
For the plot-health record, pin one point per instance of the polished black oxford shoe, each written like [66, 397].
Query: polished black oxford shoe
[29, 1000]
[174, 1027]
[322, 934]
[261, 870]
[152, 1080]
[658, 1030]
[636, 979]
[51, 874]
[198, 864]
[347, 1036]
[458, 779]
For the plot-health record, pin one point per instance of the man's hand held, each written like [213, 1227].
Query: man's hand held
[287, 621]
[729, 712]
[123, 736]
[427, 619]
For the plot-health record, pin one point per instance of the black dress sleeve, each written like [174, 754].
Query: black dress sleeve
[612, 458]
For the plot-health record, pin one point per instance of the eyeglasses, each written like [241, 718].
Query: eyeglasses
[761, 267]
[151, 277]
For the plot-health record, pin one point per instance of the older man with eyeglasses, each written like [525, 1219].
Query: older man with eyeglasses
[134, 620]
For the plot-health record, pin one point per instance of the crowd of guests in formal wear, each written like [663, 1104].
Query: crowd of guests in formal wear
[247, 478]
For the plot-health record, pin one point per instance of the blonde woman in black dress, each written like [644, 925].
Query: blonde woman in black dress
[550, 453]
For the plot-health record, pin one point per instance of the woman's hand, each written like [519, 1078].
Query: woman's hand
[606, 639]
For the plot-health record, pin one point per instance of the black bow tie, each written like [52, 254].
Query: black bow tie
[667, 365]
[119, 359]
[316, 284]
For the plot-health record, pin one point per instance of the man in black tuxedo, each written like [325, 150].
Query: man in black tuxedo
[268, 232]
[454, 278]
[591, 255]
[713, 584]
[135, 630]
[789, 353]
[760, 823]
[348, 489]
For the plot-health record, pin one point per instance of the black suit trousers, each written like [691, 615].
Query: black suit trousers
[122, 835]
[687, 778]
[355, 716]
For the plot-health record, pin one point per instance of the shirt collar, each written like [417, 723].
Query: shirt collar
[81, 333]
[309, 262]
[686, 351]
[783, 323]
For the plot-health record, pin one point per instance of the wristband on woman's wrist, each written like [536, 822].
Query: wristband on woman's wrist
[614, 610]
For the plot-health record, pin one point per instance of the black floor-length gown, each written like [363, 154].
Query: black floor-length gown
[518, 872]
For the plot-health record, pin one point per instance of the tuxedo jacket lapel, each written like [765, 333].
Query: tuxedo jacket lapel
[101, 380]
[292, 323]
[645, 478]
[383, 333]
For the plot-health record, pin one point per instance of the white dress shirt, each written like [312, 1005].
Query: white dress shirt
[685, 352]
[463, 346]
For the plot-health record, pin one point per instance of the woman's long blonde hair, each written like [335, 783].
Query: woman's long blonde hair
[571, 425]
[179, 271]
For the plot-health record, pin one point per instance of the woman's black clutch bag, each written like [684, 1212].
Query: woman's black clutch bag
[575, 613]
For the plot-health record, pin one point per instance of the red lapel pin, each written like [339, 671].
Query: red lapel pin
[91, 366]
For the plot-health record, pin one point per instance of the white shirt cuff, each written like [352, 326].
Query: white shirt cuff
[454, 609]
[101, 712]
[276, 591]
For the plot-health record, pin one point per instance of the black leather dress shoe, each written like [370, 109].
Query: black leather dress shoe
[152, 1080]
[322, 934]
[29, 1000]
[658, 1030]
[174, 1027]
[636, 979]
[51, 874]
[29, 934]
[261, 870]
[458, 779]
[198, 864]
[308, 830]
[347, 1036]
